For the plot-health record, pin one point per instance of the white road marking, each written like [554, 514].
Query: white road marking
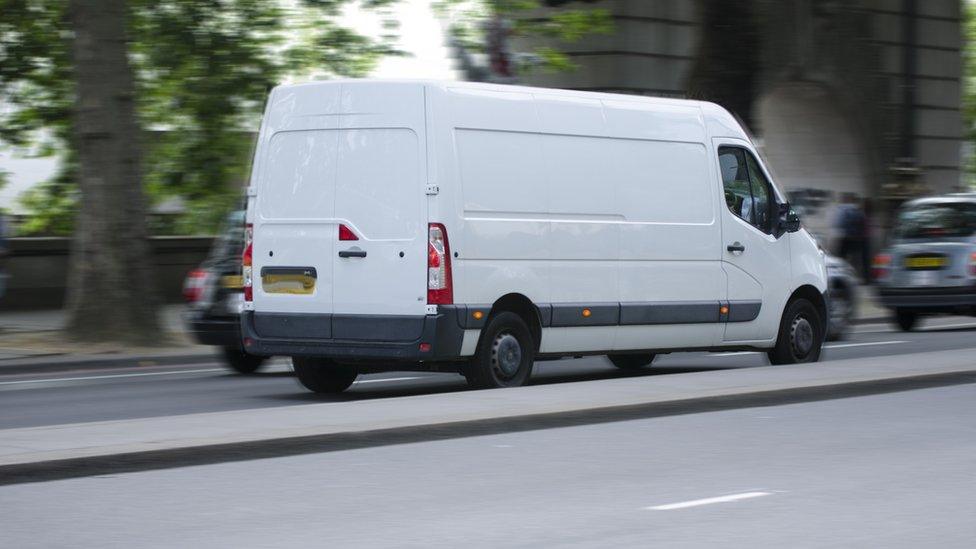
[866, 344]
[145, 374]
[957, 325]
[889, 329]
[386, 379]
[827, 346]
[708, 501]
[113, 376]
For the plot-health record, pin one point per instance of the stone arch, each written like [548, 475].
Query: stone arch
[815, 148]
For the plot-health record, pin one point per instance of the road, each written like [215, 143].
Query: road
[108, 394]
[892, 470]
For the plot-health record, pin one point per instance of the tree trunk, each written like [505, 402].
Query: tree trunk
[111, 289]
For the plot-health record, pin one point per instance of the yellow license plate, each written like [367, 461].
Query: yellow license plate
[232, 282]
[925, 262]
[287, 284]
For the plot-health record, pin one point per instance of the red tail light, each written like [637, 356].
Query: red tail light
[972, 264]
[193, 285]
[247, 261]
[881, 266]
[345, 233]
[440, 287]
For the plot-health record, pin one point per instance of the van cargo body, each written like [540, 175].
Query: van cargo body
[404, 225]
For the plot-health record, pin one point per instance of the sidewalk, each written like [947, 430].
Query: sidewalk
[35, 337]
[112, 447]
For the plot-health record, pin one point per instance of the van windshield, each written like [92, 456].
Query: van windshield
[946, 219]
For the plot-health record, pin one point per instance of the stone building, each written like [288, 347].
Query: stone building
[859, 96]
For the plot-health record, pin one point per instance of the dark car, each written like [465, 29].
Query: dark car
[214, 293]
[930, 266]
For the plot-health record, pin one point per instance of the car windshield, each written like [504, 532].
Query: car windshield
[946, 219]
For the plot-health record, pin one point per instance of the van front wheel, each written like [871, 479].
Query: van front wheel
[321, 375]
[801, 335]
[504, 356]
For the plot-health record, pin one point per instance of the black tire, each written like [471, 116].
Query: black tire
[321, 375]
[631, 362]
[841, 314]
[906, 319]
[801, 335]
[241, 362]
[505, 354]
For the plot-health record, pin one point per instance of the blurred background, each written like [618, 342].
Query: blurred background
[138, 118]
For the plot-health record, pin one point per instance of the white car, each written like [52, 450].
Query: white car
[476, 227]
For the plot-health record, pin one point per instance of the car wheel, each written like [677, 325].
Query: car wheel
[321, 375]
[801, 335]
[631, 362]
[841, 315]
[241, 362]
[906, 319]
[505, 355]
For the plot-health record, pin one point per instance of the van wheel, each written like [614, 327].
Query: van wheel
[505, 354]
[241, 362]
[321, 375]
[801, 335]
[906, 319]
[631, 362]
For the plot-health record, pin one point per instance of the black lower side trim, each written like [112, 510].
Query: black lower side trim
[744, 311]
[685, 312]
[560, 315]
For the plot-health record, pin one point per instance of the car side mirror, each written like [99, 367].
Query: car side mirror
[789, 221]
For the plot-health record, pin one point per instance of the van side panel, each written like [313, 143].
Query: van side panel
[558, 204]
[500, 200]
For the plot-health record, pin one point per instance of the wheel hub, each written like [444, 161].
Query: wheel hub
[506, 355]
[801, 336]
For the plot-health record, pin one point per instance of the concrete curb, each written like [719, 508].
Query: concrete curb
[486, 414]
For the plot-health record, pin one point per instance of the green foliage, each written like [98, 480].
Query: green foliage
[529, 21]
[203, 70]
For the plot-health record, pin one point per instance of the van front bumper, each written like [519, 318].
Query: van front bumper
[355, 337]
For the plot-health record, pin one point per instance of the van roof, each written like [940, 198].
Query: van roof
[448, 84]
[720, 122]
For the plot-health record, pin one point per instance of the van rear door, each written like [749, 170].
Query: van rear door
[342, 226]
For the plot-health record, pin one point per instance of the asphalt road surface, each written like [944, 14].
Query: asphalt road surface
[112, 393]
[892, 470]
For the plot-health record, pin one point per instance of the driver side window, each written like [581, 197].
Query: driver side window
[746, 188]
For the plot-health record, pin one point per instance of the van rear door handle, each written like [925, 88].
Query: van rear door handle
[352, 253]
[735, 247]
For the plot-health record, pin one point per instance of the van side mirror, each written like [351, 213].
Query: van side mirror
[789, 221]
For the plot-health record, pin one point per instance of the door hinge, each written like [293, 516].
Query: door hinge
[433, 189]
[251, 191]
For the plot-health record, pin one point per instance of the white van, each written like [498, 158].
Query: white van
[477, 228]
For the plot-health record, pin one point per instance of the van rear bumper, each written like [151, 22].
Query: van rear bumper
[941, 299]
[354, 337]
